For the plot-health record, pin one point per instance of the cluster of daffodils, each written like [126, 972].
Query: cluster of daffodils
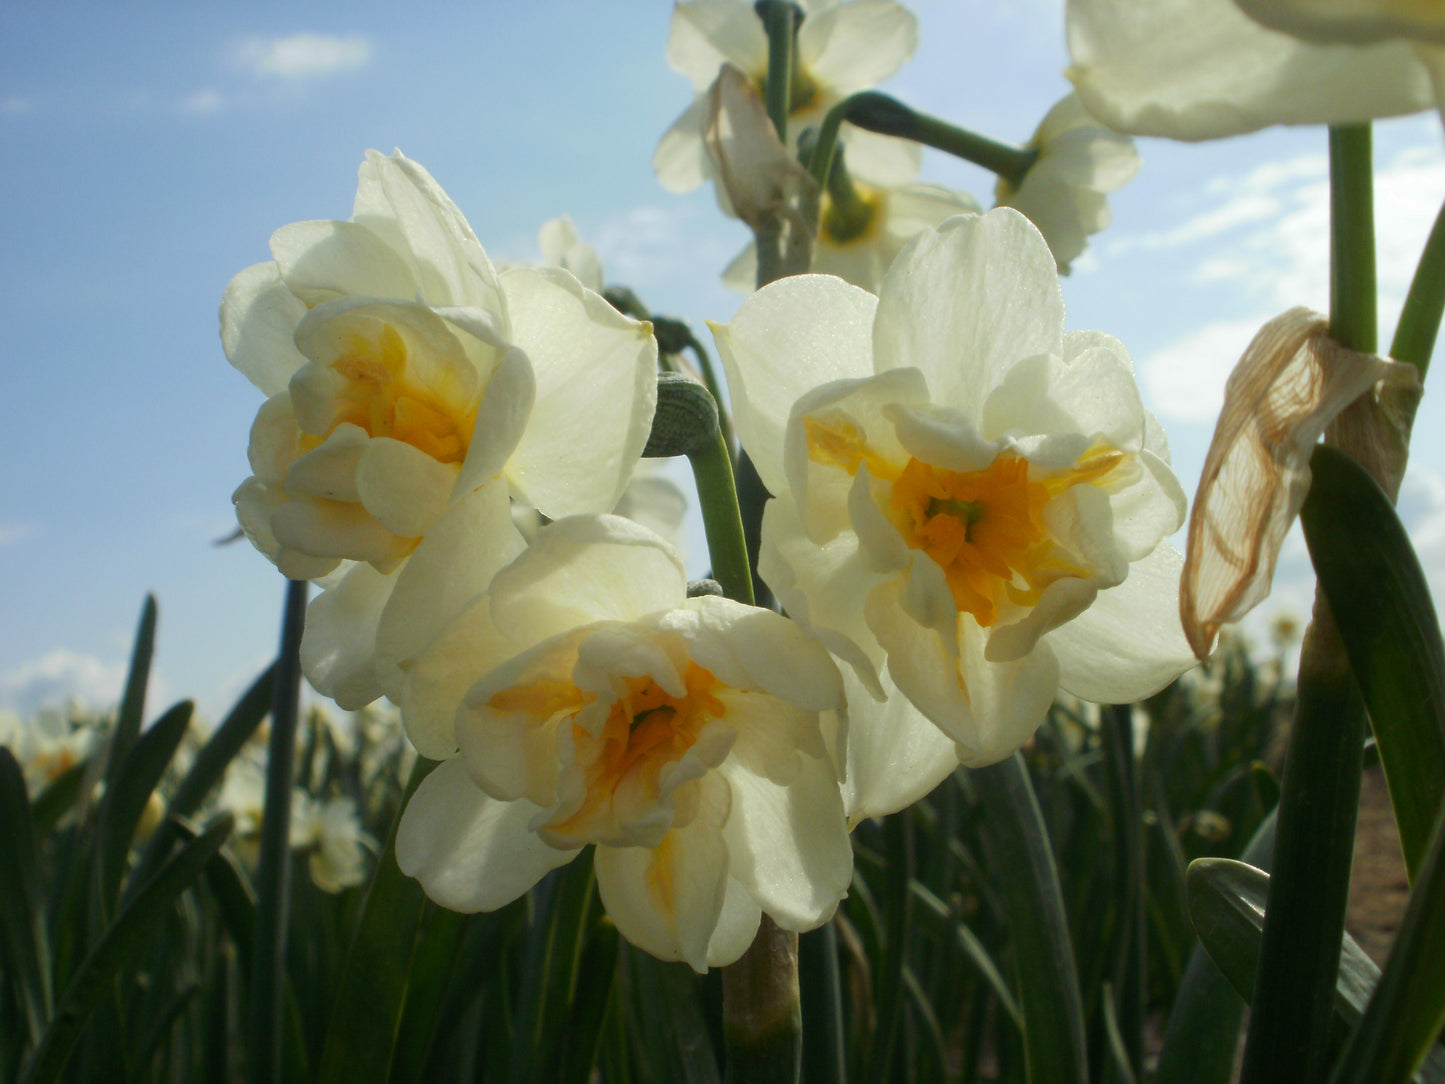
[969, 516]
[873, 207]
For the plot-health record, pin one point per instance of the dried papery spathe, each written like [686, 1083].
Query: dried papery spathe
[764, 183]
[1291, 383]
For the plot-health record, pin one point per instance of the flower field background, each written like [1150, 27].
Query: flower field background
[899, 742]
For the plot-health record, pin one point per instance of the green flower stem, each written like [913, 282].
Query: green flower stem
[762, 1014]
[780, 20]
[712, 469]
[1021, 860]
[1420, 318]
[708, 372]
[1352, 238]
[877, 112]
[1304, 920]
[273, 890]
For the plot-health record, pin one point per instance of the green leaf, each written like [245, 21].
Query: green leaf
[366, 1013]
[208, 768]
[1381, 602]
[565, 905]
[23, 937]
[671, 1040]
[1226, 901]
[132, 701]
[1021, 866]
[128, 794]
[135, 927]
[1407, 1010]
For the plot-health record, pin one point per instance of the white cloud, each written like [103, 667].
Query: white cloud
[203, 102]
[58, 677]
[1185, 380]
[303, 56]
[11, 533]
[16, 105]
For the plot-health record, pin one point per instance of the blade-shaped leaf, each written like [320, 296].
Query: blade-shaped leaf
[134, 928]
[25, 944]
[1226, 902]
[1021, 864]
[1381, 602]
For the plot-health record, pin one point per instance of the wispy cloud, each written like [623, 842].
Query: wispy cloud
[1185, 380]
[16, 105]
[11, 533]
[203, 102]
[302, 56]
[59, 677]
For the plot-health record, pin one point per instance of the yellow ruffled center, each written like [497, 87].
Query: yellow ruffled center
[985, 528]
[381, 393]
[646, 730]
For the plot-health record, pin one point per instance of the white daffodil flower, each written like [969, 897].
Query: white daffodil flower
[330, 832]
[562, 246]
[679, 736]
[971, 505]
[1063, 193]
[859, 247]
[412, 390]
[1203, 69]
[843, 46]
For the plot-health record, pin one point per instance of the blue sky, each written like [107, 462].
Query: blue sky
[151, 149]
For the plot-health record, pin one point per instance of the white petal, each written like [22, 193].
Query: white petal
[402, 486]
[895, 755]
[323, 260]
[1129, 644]
[1350, 21]
[328, 471]
[706, 34]
[321, 528]
[400, 200]
[470, 852]
[455, 563]
[737, 926]
[585, 569]
[596, 373]
[502, 418]
[258, 327]
[857, 45]
[787, 338]
[755, 649]
[1201, 69]
[837, 428]
[680, 161]
[436, 681]
[1008, 701]
[789, 845]
[965, 302]
[819, 587]
[339, 645]
[668, 900]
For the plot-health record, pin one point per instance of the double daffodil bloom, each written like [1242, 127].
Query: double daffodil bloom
[843, 46]
[412, 391]
[1063, 193]
[970, 504]
[857, 244]
[1204, 69]
[585, 700]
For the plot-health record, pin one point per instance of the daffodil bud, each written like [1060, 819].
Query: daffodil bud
[686, 417]
[698, 588]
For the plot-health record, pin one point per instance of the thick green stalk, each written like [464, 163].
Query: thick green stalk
[1304, 921]
[780, 20]
[712, 469]
[273, 891]
[1420, 318]
[877, 112]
